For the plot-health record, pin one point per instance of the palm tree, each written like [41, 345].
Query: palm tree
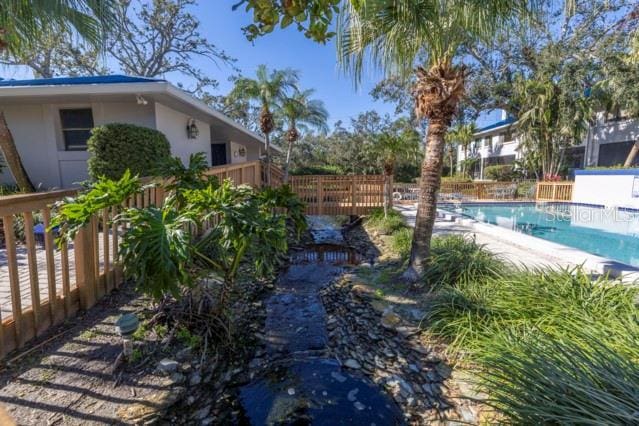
[269, 90]
[301, 113]
[389, 147]
[22, 22]
[392, 35]
[462, 135]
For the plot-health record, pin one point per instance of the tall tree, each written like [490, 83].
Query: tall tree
[301, 113]
[160, 38]
[23, 23]
[399, 142]
[268, 90]
[391, 34]
[551, 120]
[462, 135]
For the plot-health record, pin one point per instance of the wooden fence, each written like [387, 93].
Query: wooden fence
[339, 195]
[41, 284]
[554, 191]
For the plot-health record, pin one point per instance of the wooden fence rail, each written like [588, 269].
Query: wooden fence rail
[554, 191]
[339, 195]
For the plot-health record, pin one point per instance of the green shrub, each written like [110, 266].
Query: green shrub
[456, 179]
[526, 189]
[386, 225]
[317, 170]
[401, 242]
[116, 147]
[455, 259]
[501, 172]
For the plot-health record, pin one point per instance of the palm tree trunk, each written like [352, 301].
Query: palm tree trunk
[428, 189]
[632, 154]
[267, 158]
[12, 157]
[289, 149]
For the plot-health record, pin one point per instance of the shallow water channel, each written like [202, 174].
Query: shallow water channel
[303, 385]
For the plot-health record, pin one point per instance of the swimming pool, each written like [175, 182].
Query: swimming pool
[609, 233]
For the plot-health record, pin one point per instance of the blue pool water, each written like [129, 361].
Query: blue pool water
[604, 232]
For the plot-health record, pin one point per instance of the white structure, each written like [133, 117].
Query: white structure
[50, 120]
[607, 187]
[607, 143]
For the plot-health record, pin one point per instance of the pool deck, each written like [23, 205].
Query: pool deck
[522, 249]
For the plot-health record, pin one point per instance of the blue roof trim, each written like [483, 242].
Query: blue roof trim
[501, 123]
[608, 172]
[65, 81]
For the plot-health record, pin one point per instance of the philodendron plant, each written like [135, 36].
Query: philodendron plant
[201, 230]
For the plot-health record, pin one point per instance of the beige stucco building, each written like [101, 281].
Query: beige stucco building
[50, 120]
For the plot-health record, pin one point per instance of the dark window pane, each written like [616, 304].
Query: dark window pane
[76, 118]
[76, 139]
[615, 154]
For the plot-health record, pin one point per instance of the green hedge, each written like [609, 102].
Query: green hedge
[116, 147]
[501, 172]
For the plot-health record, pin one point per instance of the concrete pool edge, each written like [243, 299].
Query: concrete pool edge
[593, 263]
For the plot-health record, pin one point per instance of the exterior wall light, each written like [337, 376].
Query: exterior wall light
[192, 132]
[242, 152]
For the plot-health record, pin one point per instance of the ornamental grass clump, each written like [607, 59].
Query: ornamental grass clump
[386, 225]
[472, 311]
[547, 346]
[456, 259]
[540, 379]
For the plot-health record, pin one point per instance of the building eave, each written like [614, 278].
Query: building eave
[141, 88]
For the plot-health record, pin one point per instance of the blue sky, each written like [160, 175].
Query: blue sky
[281, 49]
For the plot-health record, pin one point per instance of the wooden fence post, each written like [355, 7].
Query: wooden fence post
[14, 279]
[320, 196]
[353, 196]
[554, 191]
[84, 266]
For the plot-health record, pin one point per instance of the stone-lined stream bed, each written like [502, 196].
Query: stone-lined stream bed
[296, 380]
[332, 354]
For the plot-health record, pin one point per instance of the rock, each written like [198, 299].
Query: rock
[378, 306]
[416, 314]
[195, 379]
[291, 391]
[407, 331]
[177, 378]
[352, 395]
[390, 320]
[202, 413]
[373, 336]
[443, 370]
[362, 291]
[183, 354]
[358, 405]
[168, 365]
[353, 364]
[151, 407]
[421, 349]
